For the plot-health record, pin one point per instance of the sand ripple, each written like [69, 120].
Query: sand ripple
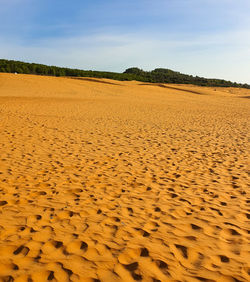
[122, 182]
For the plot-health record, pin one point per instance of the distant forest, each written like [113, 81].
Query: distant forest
[158, 75]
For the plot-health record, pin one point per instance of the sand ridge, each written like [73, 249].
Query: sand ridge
[117, 181]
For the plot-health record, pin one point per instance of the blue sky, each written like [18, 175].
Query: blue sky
[210, 38]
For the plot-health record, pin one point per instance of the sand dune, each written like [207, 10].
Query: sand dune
[119, 181]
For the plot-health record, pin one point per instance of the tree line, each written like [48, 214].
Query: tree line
[159, 75]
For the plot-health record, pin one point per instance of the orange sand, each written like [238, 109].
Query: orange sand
[103, 180]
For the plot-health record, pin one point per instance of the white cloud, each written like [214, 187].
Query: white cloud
[221, 55]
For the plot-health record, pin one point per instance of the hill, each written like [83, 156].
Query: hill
[159, 75]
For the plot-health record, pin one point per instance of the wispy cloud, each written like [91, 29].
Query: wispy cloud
[198, 37]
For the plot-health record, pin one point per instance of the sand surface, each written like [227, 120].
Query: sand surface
[103, 180]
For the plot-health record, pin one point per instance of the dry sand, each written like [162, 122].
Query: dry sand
[120, 181]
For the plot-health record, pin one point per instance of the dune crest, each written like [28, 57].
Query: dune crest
[122, 182]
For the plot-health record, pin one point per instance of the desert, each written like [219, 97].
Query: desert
[104, 180]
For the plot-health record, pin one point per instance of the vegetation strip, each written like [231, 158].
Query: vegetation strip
[159, 75]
